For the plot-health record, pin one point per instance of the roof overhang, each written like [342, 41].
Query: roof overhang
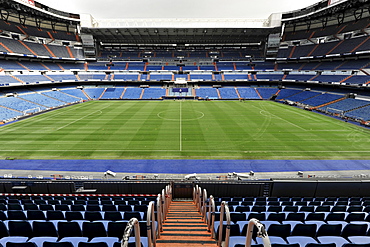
[180, 30]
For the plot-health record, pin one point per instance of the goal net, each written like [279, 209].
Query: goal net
[334, 111]
[31, 110]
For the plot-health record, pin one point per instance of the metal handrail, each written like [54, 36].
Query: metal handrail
[261, 233]
[169, 195]
[195, 195]
[126, 234]
[211, 215]
[195, 188]
[166, 200]
[163, 202]
[224, 210]
[159, 214]
[150, 225]
[204, 205]
[198, 199]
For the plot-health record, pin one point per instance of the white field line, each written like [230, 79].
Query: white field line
[37, 118]
[82, 118]
[194, 151]
[318, 117]
[180, 127]
[262, 110]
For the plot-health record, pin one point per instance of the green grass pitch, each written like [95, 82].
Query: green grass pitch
[183, 130]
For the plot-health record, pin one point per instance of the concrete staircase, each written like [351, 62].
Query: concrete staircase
[184, 227]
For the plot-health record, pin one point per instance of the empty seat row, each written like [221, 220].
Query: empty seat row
[294, 199]
[294, 216]
[66, 242]
[72, 202]
[85, 198]
[61, 229]
[273, 208]
[314, 229]
[296, 203]
[288, 231]
[302, 241]
[75, 207]
[70, 215]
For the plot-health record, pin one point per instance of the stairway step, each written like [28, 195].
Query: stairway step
[180, 221]
[186, 245]
[184, 218]
[186, 238]
[171, 225]
[182, 211]
[186, 234]
[183, 204]
[184, 227]
[184, 230]
[182, 215]
[186, 207]
[186, 241]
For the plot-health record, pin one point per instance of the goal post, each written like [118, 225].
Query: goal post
[31, 110]
[334, 111]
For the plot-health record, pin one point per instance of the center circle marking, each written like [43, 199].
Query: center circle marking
[197, 115]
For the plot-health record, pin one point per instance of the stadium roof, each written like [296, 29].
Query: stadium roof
[180, 30]
[180, 35]
[327, 9]
[32, 8]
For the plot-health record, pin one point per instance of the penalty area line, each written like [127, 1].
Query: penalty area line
[82, 118]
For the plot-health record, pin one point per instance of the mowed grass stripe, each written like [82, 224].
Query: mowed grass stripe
[157, 129]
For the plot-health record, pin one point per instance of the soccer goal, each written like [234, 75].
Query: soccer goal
[334, 111]
[31, 110]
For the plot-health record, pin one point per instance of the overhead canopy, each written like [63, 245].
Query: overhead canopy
[182, 36]
[180, 31]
